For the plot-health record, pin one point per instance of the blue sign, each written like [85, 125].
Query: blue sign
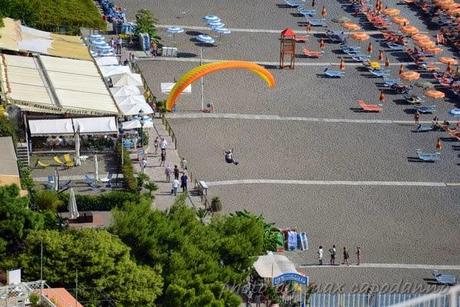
[290, 277]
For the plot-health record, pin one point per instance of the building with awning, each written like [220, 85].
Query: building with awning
[70, 126]
[9, 172]
[48, 84]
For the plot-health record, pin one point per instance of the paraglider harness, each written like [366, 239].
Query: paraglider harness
[229, 157]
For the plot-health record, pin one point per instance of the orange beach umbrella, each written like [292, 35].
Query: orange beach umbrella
[360, 36]
[351, 26]
[391, 11]
[434, 94]
[400, 20]
[448, 60]
[409, 30]
[409, 75]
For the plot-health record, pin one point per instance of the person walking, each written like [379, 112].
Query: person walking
[175, 186]
[358, 255]
[176, 172]
[155, 145]
[320, 255]
[143, 164]
[438, 144]
[333, 252]
[168, 172]
[183, 164]
[183, 182]
[417, 117]
[163, 158]
[163, 144]
[346, 256]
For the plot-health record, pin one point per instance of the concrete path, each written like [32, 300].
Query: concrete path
[389, 266]
[163, 198]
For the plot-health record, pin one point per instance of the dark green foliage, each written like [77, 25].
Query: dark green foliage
[16, 219]
[146, 23]
[197, 260]
[101, 202]
[47, 200]
[216, 204]
[27, 183]
[127, 169]
[103, 264]
[7, 128]
[52, 15]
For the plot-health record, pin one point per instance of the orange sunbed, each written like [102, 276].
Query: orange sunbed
[369, 107]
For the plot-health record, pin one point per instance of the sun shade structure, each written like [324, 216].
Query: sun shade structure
[409, 30]
[15, 37]
[391, 11]
[270, 266]
[69, 126]
[400, 20]
[448, 60]
[55, 85]
[351, 26]
[409, 75]
[434, 94]
[360, 36]
[202, 70]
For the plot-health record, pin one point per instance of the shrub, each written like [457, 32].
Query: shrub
[47, 200]
[216, 204]
[127, 170]
[102, 202]
[7, 128]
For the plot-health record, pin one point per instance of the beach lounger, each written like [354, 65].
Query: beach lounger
[426, 109]
[360, 57]
[453, 133]
[369, 107]
[312, 53]
[388, 82]
[335, 36]
[91, 182]
[58, 161]
[394, 46]
[108, 179]
[423, 128]
[413, 99]
[379, 72]
[317, 22]
[65, 186]
[444, 279]
[68, 160]
[42, 164]
[334, 73]
[428, 156]
[305, 12]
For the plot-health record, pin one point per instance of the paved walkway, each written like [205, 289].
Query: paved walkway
[199, 115]
[163, 198]
[390, 266]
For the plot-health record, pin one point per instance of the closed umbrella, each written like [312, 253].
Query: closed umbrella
[369, 47]
[381, 55]
[387, 62]
[72, 206]
[321, 43]
[342, 64]
[324, 12]
[96, 168]
[56, 180]
[77, 147]
[382, 97]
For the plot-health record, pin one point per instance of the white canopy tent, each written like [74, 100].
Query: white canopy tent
[106, 61]
[108, 71]
[125, 90]
[126, 79]
[133, 109]
[130, 99]
[45, 127]
[135, 124]
[105, 125]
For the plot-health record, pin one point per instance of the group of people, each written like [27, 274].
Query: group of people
[333, 255]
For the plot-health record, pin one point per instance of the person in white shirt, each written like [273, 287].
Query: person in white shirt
[320, 255]
[175, 186]
[163, 144]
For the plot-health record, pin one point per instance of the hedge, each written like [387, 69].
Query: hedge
[101, 202]
[127, 169]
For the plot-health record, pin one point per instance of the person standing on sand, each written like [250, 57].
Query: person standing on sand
[358, 255]
[333, 252]
[155, 145]
[346, 256]
[320, 255]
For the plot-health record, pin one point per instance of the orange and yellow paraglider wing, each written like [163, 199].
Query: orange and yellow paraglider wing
[200, 71]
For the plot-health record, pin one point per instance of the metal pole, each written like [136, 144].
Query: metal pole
[202, 81]
[41, 267]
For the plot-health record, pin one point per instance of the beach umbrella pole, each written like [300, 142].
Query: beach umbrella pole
[202, 81]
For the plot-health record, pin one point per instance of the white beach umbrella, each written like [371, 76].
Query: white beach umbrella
[126, 79]
[72, 206]
[77, 148]
[96, 168]
[126, 90]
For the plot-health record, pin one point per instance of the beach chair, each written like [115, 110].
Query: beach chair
[107, 179]
[413, 99]
[306, 12]
[91, 182]
[301, 38]
[65, 185]
[388, 82]
[380, 72]
[444, 279]
[360, 57]
[395, 46]
[317, 22]
[42, 164]
[423, 128]
[58, 161]
[428, 156]
[51, 183]
[68, 160]
[369, 107]
[311, 53]
[335, 36]
[453, 133]
[426, 109]
[333, 73]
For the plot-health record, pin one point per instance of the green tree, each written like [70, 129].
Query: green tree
[47, 200]
[102, 262]
[16, 219]
[7, 128]
[146, 23]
